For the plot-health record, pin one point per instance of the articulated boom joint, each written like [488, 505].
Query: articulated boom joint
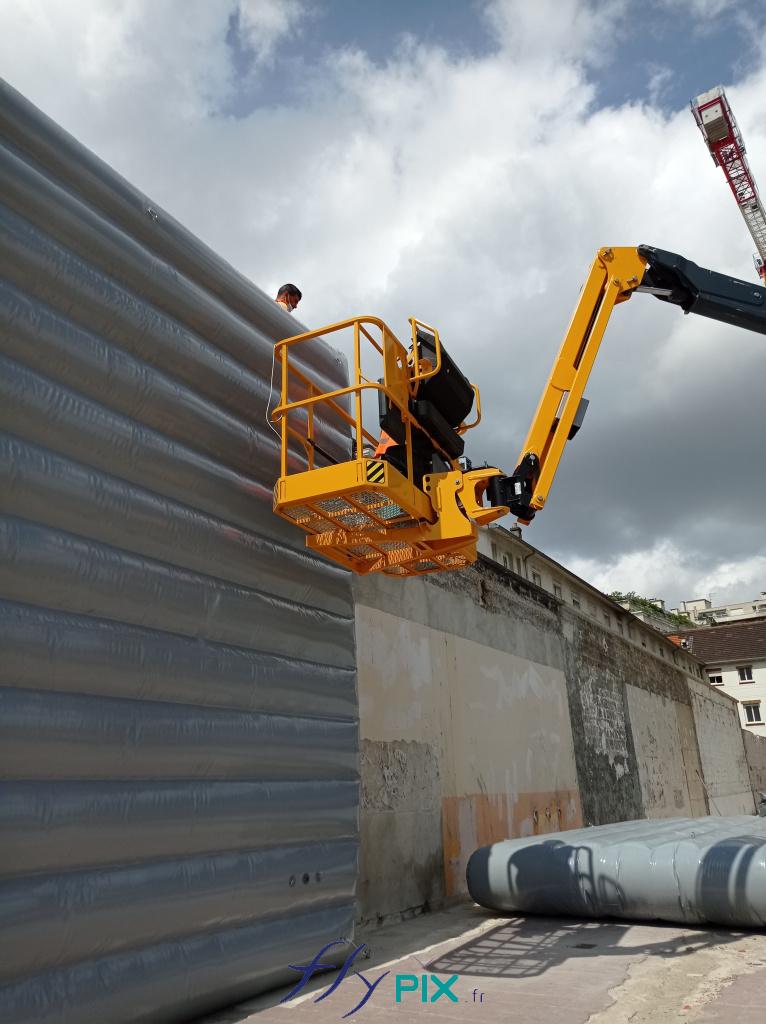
[516, 492]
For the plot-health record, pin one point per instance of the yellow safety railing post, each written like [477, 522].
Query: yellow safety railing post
[419, 375]
[358, 391]
[310, 435]
[283, 402]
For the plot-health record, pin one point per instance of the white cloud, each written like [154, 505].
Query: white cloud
[665, 570]
[659, 80]
[736, 581]
[101, 54]
[264, 22]
[548, 31]
[473, 193]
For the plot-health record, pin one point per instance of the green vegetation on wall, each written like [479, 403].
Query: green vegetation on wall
[643, 604]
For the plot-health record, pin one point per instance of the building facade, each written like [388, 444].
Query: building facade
[706, 613]
[734, 660]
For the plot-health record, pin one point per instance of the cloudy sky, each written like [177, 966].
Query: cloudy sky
[462, 161]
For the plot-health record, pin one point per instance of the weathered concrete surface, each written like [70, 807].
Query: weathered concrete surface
[489, 709]
[661, 728]
[538, 969]
[755, 752]
[462, 744]
[400, 809]
[618, 757]
[722, 750]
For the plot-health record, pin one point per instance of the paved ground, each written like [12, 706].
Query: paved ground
[534, 969]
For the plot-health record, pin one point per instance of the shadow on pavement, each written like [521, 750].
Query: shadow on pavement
[525, 947]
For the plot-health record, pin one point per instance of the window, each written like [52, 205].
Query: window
[607, 620]
[620, 628]
[745, 673]
[494, 551]
[715, 680]
[556, 590]
[753, 712]
[536, 579]
[575, 601]
[518, 567]
[505, 561]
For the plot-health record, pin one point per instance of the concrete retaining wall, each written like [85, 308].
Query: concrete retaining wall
[632, 720]
[755, 752]
[722, 750]
[437, 709]
[489, 708]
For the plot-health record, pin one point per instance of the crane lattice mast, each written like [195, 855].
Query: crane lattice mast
[724, 140]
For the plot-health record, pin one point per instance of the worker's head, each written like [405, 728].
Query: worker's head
[289, 296]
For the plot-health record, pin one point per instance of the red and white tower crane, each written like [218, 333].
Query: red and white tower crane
[724, 141]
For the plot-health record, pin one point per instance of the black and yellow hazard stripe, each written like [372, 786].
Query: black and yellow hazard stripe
[376, 471]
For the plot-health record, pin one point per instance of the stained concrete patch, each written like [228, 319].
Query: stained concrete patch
[399, 775]
[400, 810]
[741, 999]
[718, 978]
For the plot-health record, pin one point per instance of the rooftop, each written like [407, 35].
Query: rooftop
[735, 641]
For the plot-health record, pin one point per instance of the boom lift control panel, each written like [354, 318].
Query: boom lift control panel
[415, 507]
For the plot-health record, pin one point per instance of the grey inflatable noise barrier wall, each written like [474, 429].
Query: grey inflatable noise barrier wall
[688, 870]
[179, 768]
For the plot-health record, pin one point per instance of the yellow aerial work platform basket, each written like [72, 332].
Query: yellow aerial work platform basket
[380, 514]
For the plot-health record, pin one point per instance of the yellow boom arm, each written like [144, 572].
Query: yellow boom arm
[414, 506]
[614, 275]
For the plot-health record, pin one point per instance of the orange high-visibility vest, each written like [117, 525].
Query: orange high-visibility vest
[384, 444]
[385, 441]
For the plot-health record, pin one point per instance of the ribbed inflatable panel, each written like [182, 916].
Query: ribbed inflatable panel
[178, 716]
[689, 870]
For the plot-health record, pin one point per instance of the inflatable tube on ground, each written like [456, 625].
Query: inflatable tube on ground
[688, 870]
